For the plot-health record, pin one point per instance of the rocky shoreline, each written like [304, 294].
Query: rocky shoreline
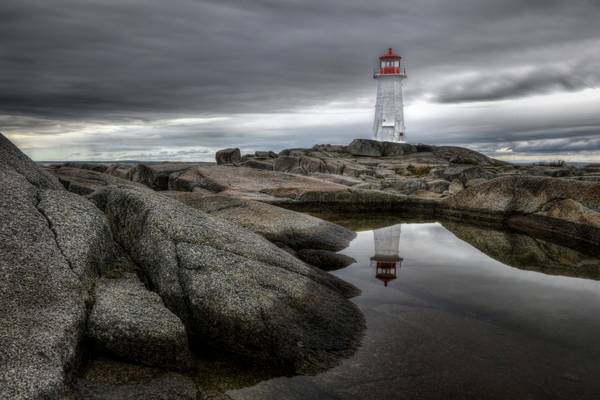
[156, 263]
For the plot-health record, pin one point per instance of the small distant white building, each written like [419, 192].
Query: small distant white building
[386, 259]
[389, 113]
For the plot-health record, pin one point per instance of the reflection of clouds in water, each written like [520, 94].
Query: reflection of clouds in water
[443, 270]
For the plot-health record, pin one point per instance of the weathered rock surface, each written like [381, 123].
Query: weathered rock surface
[233, 289]
[155, 176]
[278, 225]
[81, 232]
[258, 164]
[43, 264]
[248, 180]
[228, 156]
[374, 148]
[542, 205]
[84, 181]
[132, 323]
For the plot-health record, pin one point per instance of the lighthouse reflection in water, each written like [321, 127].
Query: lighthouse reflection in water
[387, 261]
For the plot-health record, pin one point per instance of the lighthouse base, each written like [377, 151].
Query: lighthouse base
[389, 134]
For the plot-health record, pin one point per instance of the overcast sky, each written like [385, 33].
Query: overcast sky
[179, 79]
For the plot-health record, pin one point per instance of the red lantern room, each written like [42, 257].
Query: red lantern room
[389, 63]
[386, 270]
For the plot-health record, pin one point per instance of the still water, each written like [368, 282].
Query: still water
[455, 311]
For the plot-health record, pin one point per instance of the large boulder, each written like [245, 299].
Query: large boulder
[155, 176]
[44, 256]
[132, 323]
[281, 226]
[234, 290]
[228, 156]
[547, 206]
[365, 147]
[375, 148]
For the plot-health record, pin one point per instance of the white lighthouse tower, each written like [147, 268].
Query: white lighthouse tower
[389, 114]
[386, 259]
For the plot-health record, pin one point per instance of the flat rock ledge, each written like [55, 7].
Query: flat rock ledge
[132, 323]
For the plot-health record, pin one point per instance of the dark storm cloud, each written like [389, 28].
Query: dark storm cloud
[118, 57]
[508, 85]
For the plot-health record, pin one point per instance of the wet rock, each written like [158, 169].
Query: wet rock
[169, 386]
[132, 323]
[228, 156]
[233, 289]
[325, 259]
[278, 225]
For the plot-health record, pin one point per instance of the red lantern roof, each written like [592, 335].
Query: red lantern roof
[390, 55]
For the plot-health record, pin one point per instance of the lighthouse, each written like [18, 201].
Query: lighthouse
[389, 114]
[386, 259]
